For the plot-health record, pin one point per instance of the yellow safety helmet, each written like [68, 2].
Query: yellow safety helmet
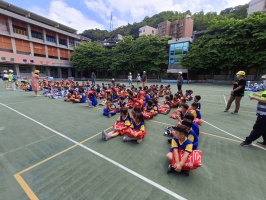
[36, 71]
[242, 73]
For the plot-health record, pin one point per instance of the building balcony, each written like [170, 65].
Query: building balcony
[13, 58]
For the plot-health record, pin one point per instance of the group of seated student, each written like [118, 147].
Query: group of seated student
[144, 105]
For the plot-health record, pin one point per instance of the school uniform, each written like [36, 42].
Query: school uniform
[139, 127]
[177, 144]
[192, 136]
[92, 101]
[125, 121]
[112, 110]
[82, 98]
[195, 128]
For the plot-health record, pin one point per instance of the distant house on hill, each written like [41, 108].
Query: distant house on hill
[111, 42]
[256, 5]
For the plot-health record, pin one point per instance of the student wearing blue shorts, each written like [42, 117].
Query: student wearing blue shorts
[110, 109]
[92, 100]
[192, 136]
[82, 97]
[180, 141]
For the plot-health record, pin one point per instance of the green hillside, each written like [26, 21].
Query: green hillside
[201, 22]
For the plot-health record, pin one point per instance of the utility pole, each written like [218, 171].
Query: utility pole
[111, 22]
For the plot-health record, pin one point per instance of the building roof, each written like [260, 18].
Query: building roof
[12, 8]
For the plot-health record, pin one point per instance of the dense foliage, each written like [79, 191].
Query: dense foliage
[201, 22]
[230, 44]
[146, 53]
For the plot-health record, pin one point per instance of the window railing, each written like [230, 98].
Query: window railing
[20, 31]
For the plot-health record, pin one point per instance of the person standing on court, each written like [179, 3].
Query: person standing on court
[35, 81]
[5, 78]
[138, 79]
[237, 93]
[179, 81]
[259, 128]
[10, 78]
[93, 78]
[144, 79]
[129, 79]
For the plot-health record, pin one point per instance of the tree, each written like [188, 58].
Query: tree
[150, 53]
[121, 55]
[230, 44]
[96, 34]
[89, 55]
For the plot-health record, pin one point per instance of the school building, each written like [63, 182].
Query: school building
[29, 41]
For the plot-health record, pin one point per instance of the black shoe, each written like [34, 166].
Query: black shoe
[263, 144]
[170, 169]
[186, 172]
[169, 141]
[234, 113]
[245, 143]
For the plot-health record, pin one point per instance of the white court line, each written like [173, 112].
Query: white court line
[227, 132]
[16, 149]
[25, 101]
[177, 196]
[225, 100]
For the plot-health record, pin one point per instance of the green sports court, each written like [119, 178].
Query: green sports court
[51, 149]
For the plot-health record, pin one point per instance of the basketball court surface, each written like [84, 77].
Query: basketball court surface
[51, 149]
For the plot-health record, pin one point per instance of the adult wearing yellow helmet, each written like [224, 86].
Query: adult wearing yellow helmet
[237, 93]
[35, 81]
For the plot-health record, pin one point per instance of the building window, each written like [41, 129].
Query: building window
[25, 69]
[20, 30]
[152, 31]
[181, 24]
[3, 23]
[71, 42]
[36, 35]
[19, 27]
[62, 41]
[50, 38]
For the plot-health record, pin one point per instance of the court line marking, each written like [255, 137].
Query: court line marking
[225, 100]
[240, 139]
[23, 183]
[25, 101]
[25, 187]
[16, 149]
[171, 193]
[205, 133]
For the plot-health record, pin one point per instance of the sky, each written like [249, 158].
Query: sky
[90, 14]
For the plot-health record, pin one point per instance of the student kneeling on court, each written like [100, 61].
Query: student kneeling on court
[180, 141]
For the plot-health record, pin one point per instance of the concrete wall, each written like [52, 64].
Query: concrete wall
[37, 60]
[256, 5]
[147, 30]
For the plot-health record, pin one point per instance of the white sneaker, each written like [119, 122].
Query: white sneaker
[139, 141]
[106, 135]
[126, 138]
[103, 135]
